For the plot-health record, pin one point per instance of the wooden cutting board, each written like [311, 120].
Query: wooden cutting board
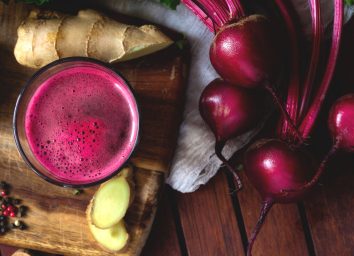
[56, 218]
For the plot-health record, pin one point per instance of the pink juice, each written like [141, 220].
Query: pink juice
[82, 124]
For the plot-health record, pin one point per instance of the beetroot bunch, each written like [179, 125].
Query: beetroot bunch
[248, 53]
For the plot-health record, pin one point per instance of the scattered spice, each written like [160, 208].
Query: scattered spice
[3, 230]
[22, 226]
[17, 223]
[16, 201]
[10, 208]
[22, 210]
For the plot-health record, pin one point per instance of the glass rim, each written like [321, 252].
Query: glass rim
[29, 82]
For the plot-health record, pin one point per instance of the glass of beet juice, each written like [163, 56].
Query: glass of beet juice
[76, 122]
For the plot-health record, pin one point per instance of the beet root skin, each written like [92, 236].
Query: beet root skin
[273, 167]
[230, 110]
[341, 122]
[247, 53]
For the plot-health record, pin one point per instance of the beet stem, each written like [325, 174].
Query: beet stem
[319, 172]
[266, 206]
[208, 21]
[315, 56]
[222, 10]
[294, 81]
[218, 151]
[284, 112]
[236, 9]
[311, 116]
[215, 13]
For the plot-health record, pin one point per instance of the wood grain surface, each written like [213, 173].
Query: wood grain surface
[56, 218]
[207, 215]
[282, 229]
[331, 207]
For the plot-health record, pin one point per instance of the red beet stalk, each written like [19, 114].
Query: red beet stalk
[200, 14]
[235, 8]
[311, 116]
[215, 13]
[294, 80]
[315, 56]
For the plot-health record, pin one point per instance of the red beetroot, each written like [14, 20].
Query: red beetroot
[273, 166]
[229, 111]
[280, 173]
[246, 53]
[341, 126]
[341, 122]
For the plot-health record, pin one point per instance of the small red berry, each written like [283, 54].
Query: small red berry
[12, 214]
[10, 208]
[3, 206]
[3, 193]
[6, 213]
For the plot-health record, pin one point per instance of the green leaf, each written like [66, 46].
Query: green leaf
[170, 3]
[349, 2]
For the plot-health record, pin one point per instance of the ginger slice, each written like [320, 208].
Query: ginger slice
[112, 239]
[111, 201]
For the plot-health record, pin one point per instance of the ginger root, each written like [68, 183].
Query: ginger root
[111, 201]
[108, 207]
[112, 239]
[47, 36]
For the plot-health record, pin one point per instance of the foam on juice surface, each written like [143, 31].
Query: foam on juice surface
[81, 124]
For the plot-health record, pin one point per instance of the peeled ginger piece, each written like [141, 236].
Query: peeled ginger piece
[112, 239]
[111, 201]
[107, 209]
[46, 36]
